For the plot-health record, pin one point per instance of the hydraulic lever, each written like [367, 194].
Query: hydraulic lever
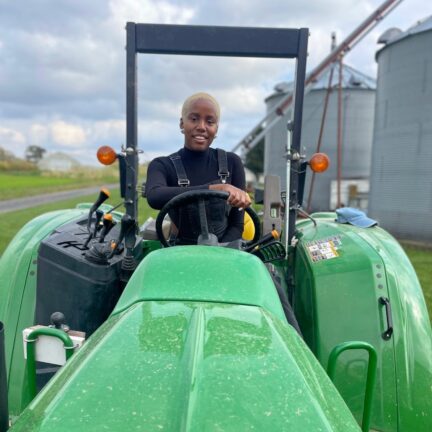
[103, 196]
[108, 223]
[127, 230]
[99, 214]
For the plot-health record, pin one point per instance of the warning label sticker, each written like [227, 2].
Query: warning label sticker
[324, 249]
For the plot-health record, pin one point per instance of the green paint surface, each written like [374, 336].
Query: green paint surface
[202, 273]
[199, 341]
[337, 301]
[18, 273]
[190, 366]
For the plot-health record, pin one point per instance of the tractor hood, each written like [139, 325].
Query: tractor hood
[189, 365]
[182, 366]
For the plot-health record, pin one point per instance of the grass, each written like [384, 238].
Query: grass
[422, 262]
[10, 223]
[17, 184]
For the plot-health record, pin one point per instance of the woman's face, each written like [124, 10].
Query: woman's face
[199, 125]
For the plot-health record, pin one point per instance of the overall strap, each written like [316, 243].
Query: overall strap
[182, 179]
[223, 172]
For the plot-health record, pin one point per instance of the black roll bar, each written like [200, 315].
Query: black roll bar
[209, 41]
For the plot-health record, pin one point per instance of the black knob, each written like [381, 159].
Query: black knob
[58, 320]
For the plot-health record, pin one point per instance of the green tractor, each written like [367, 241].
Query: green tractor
[194, 338]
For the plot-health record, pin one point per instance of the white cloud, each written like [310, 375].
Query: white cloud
[163, 12]
[62, 75]
[67, 135]
[12, 140]
[38, 134]
[11, 137]
[107, 129]
[149, 156]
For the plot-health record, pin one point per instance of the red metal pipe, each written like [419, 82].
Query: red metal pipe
[339, 134]
[321, 132]
[253, 137]
[347, 44]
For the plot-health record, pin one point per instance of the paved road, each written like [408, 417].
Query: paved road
[23, 203]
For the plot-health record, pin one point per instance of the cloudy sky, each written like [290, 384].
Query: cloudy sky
[62, 69]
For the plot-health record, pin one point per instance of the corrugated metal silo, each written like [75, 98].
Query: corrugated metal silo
[358, 99]
[401, 174]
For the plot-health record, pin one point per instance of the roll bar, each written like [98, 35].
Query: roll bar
[209, 41]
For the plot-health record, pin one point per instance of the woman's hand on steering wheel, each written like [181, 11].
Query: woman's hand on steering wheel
[198, 198]
[237, 197]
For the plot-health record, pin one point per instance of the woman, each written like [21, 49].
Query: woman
[197, 166]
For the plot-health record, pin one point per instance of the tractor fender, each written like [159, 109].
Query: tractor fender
[345, 277]
[18, 272]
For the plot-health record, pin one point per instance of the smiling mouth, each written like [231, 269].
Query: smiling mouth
[200, 138]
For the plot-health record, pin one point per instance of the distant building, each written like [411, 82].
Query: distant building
[58, 162]
[358, 101]
[401, 176]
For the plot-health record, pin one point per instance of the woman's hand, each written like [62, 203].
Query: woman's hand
[237, 197]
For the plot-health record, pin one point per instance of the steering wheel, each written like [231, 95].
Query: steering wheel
[198, 198]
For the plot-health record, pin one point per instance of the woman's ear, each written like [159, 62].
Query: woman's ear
[181, 124]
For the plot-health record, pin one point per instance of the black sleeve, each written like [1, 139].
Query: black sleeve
[158, 192]
[236, 216]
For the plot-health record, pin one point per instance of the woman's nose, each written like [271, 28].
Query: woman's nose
[201, 124]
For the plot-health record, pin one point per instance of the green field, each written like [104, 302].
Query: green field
[10, 223]
[422, 262]
[17, 185]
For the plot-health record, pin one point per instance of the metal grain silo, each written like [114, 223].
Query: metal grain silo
[358, 99]
[401, 174]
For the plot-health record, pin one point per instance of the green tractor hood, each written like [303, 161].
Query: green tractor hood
[199, 344]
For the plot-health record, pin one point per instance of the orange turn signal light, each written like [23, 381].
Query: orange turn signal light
[106, 155]
[319, 162]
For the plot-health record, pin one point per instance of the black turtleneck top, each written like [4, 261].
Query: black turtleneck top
[201, 170]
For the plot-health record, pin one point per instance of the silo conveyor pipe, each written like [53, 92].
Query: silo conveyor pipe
[273, 117]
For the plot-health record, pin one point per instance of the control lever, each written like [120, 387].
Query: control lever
[103, 196]
[274, 235]
[58, 321]
[99, 214]
[108, 223]
[127, 228]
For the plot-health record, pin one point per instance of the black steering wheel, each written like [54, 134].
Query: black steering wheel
[198, 198]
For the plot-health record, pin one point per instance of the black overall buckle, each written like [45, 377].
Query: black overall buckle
[223, 176]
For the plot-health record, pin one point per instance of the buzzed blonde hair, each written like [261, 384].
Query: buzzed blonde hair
[200, 96]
